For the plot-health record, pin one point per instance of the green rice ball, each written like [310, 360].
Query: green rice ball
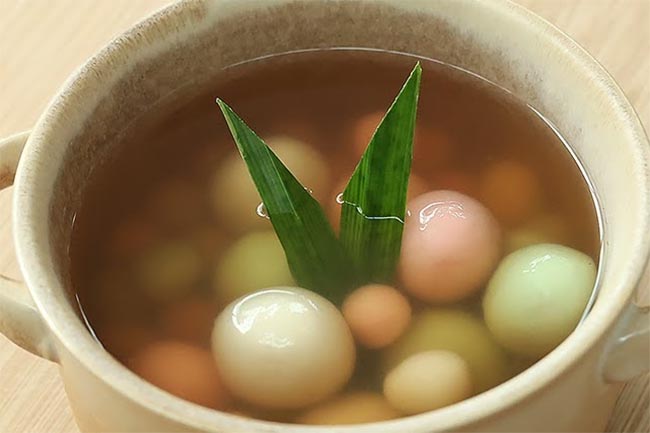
[254, 262]
[455, 331]
[168, 270]
[234, 196]
[537, 296]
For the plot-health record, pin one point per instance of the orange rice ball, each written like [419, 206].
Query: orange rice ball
[511, 190]
[184, 370]
[377, 315]
[451, 244]
[364, 129]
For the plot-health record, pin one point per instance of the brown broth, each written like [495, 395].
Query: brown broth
[156, 187]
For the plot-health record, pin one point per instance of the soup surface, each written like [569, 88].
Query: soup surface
[170, 231]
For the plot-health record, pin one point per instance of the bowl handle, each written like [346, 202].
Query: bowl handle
[628, 354]
[20, 320]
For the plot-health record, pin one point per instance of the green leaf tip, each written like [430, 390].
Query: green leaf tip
[314, 254]
[373, 210]
[374, 201]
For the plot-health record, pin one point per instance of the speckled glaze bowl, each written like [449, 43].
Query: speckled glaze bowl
[571, 389]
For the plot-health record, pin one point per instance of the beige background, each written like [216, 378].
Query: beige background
[42, 41]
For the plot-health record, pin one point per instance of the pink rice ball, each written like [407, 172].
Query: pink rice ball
[450, 246]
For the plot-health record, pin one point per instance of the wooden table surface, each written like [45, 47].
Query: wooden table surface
[42, 41]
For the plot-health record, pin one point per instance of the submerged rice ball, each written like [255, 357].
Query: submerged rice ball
[427, 381]
[364, 130]
[350, 408]
[235, 197]
[537, 296]
[168, 270]
[451, 244]
[511, 190]
[184, 370]
[255, 261]
[455, 331]
[377, 314]
[283, 348]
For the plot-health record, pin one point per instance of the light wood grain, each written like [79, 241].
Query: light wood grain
[43, 41]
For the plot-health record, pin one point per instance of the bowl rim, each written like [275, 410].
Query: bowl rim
[30, 237]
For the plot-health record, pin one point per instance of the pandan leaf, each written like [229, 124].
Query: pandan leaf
[315, 256]
[374, 201]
